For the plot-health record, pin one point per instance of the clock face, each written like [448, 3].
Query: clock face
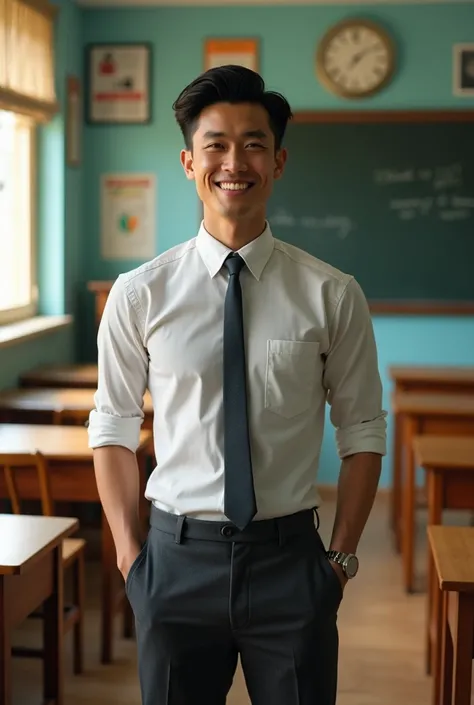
[355, 59]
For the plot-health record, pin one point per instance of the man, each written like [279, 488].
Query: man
[241, 339]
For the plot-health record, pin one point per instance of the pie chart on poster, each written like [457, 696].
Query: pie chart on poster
[128, 224]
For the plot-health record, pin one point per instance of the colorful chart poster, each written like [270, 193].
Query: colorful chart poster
[128, 216]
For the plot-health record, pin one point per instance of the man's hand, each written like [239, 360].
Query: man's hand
[126, 558]
[340, 573]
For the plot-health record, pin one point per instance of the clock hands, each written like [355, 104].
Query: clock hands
[360, 55]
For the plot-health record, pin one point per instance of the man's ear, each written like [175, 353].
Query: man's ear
[280, 161]
[186, 157]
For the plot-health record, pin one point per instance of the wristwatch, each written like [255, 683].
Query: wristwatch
[348, 561]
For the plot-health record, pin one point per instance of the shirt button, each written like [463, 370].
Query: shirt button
[227, 530]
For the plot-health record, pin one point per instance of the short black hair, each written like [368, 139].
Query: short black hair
[229, 84]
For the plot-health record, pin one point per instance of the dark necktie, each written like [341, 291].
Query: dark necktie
[239, 498]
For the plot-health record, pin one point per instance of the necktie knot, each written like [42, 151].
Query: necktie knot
[234, 263]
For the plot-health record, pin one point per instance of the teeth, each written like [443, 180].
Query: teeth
[231, 186]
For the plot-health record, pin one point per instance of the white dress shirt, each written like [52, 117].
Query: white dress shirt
[309, 340]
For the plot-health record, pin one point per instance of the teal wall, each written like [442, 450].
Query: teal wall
[424, 34]
[58, 216]
[54, 348]
[60, 186]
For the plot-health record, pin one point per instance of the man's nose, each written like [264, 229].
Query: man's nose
[235, 161]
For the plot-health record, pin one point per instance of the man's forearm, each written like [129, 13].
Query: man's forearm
[117, 477]
[357, 487]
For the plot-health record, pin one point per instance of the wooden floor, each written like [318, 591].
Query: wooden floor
[381, 635]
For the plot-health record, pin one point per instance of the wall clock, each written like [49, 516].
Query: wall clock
[355, 58]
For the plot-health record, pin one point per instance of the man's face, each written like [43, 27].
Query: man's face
[233, 160]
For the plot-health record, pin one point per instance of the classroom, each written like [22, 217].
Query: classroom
[378, 184]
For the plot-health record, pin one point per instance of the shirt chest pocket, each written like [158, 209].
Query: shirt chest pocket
[292, 370]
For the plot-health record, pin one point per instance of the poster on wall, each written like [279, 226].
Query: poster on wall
[118, 83]
[242, 52]
[128, 216]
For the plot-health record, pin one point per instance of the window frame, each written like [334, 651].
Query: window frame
[30, 310]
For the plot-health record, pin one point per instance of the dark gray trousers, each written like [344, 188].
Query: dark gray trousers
[203, 593]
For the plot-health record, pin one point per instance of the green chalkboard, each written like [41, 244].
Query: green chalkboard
[392, 204]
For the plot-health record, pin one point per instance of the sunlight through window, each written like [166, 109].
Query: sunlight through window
[17, 292]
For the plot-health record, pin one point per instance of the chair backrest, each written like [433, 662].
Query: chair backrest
[12, 464]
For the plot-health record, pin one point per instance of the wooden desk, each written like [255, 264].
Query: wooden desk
[427, 378]
[101, 291]
[39, 405]
[421, 414]
[452, 550]
[439, 380]
[449, 465]
[69, 376]
[30, 576]
[73, 480]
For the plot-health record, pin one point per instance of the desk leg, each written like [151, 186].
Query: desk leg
[396, 480]
[53, 676]
[435, 652]
[109, 567]
[462, 649]
[408, 519]
[5, 649]
[442, 688]
[433, 617]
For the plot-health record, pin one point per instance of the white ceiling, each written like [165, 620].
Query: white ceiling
[229, 3]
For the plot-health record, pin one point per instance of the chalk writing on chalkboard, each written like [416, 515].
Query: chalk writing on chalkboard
[441, 177]
[340, 225]
[445, 207]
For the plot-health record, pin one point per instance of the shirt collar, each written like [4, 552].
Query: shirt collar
[255, 254]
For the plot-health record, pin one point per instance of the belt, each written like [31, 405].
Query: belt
[259, 531]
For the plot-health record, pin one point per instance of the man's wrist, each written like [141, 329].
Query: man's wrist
[127, 553]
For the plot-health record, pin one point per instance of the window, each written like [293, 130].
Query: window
[18, 293]
[27, 97]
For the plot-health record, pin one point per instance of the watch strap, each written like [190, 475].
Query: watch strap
[337, 556]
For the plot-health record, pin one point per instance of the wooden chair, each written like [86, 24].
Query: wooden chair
[73, 549]
[78, 417]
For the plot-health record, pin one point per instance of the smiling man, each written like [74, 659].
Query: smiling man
[242, 340]
[234, 157]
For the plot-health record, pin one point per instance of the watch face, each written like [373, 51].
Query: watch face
[352, 566]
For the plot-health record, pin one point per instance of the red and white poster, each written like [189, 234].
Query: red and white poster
[119, 83]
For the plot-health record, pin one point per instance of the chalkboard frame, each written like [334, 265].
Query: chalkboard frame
[409, 307]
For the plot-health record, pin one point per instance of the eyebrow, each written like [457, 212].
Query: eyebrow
[258, 134]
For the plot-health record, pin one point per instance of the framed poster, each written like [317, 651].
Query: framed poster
[128, 217]
[118, 83]
[73, 121]
[242, 52]
[463, 70]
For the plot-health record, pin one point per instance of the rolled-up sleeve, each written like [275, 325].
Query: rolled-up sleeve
[352, 377]
[122, 372]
